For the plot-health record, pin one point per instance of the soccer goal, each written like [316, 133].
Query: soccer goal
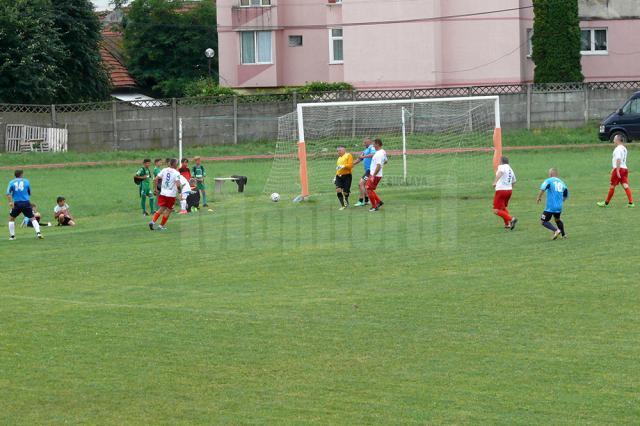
[429, 142]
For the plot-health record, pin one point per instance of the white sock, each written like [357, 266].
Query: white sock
[183, 204]
[36, 226]
[12, 229]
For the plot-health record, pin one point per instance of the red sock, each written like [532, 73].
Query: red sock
[505, 216]
[156, 215]
[629, 195]
[164, 220]
[610, 194]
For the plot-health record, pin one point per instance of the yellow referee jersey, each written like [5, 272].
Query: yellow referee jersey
[344, 165]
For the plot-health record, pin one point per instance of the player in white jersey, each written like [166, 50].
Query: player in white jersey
[378, 161]
[169, 179]
[619, 174]
[185, 189]
[503, 183]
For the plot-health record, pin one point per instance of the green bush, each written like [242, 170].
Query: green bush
[206, 87]
[321, 86]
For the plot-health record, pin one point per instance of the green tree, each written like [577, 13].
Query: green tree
[85, 78]
[165, 44]
[31, 52]
[118, 4]
[556, 41]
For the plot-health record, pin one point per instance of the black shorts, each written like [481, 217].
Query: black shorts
[23, 207]
[546, 216]
[365, 176]
[344, 182]
[65, 221]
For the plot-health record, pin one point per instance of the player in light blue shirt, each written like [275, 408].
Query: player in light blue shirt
[19, 197]
[365, 158]
[557, 193]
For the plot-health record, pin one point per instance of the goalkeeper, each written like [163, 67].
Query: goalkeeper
[343, 178]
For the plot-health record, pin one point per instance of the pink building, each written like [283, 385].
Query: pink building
[409, 43]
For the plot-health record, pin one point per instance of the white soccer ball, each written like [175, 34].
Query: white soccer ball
[275, 197]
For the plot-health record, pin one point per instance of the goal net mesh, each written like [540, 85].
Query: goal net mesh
[448, 143]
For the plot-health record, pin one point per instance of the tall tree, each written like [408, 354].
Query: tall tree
[556, 41]
[165, 43]
[118, 4]
[85, 78]
[31, 52]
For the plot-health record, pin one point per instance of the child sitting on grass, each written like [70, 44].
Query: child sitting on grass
[193, 198]
[38, 217]
[61, 213]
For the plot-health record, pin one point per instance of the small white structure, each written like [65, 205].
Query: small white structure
[23, 138]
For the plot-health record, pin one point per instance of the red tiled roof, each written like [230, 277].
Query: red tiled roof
[118, 73]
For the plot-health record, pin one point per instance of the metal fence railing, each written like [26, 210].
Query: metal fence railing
[357, 95]
[141, 124]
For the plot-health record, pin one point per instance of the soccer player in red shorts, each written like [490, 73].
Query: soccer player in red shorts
[619, 174]
[169, 179]
[503, 183]
[378, 161]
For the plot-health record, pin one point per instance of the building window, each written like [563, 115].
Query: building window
[249, 3]
[336, 55]
[255, 47]
[295, 40]
[593, 41]
[529, 42]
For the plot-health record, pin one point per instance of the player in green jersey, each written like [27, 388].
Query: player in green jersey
[157, 169]
[199, 174]
[144, 178]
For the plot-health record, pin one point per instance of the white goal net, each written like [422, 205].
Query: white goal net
[429, 142]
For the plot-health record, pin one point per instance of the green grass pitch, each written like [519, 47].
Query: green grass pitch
[261, 312]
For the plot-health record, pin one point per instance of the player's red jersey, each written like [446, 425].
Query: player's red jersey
[624, 177]
[184, 171]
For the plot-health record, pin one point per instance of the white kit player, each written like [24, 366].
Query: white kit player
[503, 184]
[185, 189]
[619, 174]
[169, 179]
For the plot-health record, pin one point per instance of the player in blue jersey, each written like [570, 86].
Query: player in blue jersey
[365, 158]
[19, 196]
[557, 193]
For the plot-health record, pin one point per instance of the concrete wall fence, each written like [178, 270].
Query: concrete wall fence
[153, 124]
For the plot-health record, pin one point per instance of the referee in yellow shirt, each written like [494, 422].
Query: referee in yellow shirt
[344, 165]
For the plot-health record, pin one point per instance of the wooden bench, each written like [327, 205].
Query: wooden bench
[220, 181]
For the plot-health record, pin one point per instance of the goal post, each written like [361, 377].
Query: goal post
[439, 128]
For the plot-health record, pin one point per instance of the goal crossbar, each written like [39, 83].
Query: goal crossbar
[302, 155]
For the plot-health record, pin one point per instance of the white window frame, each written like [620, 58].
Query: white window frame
[331, 40]
[255, 48]
[263, 3]
[592, 33]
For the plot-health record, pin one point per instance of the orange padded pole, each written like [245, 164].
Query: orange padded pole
[302, 157]
[497, 147]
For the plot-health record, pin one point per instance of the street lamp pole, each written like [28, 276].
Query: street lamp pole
[209, 53]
